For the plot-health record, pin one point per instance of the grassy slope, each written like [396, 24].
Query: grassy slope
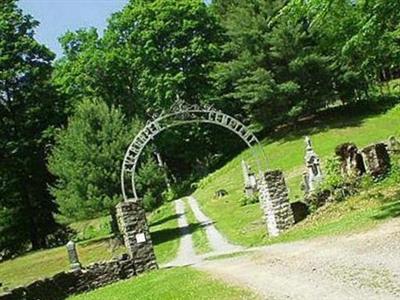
[41, 264]
[378, 203]
[165, 232]
[244, 225]
[177, 283]
[45, 263]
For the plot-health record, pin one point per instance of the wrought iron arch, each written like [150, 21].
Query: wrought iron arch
[180, 114]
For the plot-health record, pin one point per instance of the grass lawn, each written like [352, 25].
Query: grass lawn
[42, 264]
[357, 213]
[45, 263]
[169, 284]
[90, 229]
[199, 236]
[165, 232]
[243, 224]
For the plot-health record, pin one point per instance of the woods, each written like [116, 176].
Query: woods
[66, 123]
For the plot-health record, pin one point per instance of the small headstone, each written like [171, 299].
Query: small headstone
[313, 175]
[73, 256]
[393, 145]
[376, 159]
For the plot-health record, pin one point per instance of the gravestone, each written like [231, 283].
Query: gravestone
[313, 175]
[352, 162]
[275, 203]
[133, 226]
[250, 181]
[376, 159]
[393, 146]
[73, 256]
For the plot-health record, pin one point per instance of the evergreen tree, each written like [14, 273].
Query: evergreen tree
[28, 107]
[272, 66]
[87, 158]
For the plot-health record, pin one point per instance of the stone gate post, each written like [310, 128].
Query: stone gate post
[274, 201]
[133, 226]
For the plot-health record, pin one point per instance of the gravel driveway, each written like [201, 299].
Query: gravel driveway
[356, 266]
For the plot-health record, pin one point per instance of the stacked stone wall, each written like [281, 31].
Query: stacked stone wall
[133, 226]
[274, 200]
[64, 284]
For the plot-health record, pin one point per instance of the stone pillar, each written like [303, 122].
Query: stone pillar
[376, 159]
[133, 226]
[73, 256]
[274, 201]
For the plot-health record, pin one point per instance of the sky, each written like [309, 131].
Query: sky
[58, 16]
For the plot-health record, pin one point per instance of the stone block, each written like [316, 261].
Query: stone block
[376, 159]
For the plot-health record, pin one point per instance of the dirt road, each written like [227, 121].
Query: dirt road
[357, 266]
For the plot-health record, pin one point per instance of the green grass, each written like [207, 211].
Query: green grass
[165, 232]
[169, 284]
[92, 229]
[199, 236]
[42, 264]
[243, 224]
[357, 213]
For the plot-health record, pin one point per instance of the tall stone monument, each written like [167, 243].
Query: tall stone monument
[133, 226]
[313, 174]
[250, 181]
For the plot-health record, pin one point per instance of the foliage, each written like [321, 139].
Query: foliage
[333, 177]
[151, 184]
[247, 200]
[152, 52]
[29, 105]
[272, 66]
[87, 160]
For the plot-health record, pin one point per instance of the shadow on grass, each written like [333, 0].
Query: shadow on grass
[351, 115]
[389, 210]
[165, 235]
[164, 220]
[390, 207]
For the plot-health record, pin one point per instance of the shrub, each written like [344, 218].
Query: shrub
[247, 200]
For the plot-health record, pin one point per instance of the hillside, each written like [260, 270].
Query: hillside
[243, 224]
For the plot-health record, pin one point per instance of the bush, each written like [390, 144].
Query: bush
[247, 200]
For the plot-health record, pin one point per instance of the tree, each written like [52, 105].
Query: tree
[152, 52]
[272, 65]
[86, 160]
[28, 107]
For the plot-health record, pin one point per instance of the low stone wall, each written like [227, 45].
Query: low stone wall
[64, 284]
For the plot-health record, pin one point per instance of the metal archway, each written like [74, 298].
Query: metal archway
[180, 114]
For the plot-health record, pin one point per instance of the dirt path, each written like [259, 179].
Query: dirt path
[217, 242]
[357, 266]
[186, 254]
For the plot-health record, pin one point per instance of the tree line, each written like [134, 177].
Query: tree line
[66, 123]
